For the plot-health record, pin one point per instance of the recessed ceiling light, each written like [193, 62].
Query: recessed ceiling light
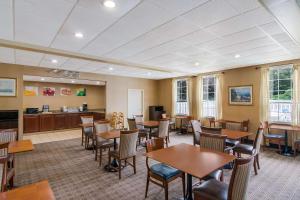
[98, 82]
[73, 81]
[42, 79]
[109, 4]
[197, 64]
[149, 73]
[54, 61]
[111, 68]
[78, 35]
[237, 55]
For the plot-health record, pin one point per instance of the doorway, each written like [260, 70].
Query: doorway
[135, 102]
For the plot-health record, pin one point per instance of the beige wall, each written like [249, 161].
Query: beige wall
[165, 94]
[95, 97]
[116, 89]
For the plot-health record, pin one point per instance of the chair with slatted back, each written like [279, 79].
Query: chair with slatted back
[252, 150]
[186, 124]
[161, 174]
[277, 138]
[237, 188]
[3, 168]
[100, 143]
[7, 172]
[87, 132]
[127, 150]
[133, 125]
[196, 125]
[6, 136]
[217, 143]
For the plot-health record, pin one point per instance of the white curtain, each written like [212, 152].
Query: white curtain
[219, 94]
[296, 101]
[199, 96]
[174, 96]
[264, 95]
[190, 95]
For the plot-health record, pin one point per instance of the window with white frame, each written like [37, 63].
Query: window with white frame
[209, 104]
[182, 107]
[281, 94]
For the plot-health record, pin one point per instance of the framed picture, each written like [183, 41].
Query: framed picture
[8, 87]
[81, 92]
[240, 95]
[65, 92]
[48, 91]
[31, 91]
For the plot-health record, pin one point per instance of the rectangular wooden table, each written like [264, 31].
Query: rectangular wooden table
[195, 161]
[235, 134]
[20, 146]
[285, 128]
[36, 191]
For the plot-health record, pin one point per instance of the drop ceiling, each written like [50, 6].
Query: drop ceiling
[167, 36]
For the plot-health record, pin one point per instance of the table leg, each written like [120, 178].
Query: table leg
[112, 167]
[285, 151]
[189, 194]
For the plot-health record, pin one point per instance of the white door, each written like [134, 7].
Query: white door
[135, 102]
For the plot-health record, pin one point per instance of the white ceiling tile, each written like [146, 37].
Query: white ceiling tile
[37, 22]
[272, 28]
[198, 37]
[75, 64]
[7, 55]
[210, 13]
[28, 58]
[6, 19]
[167, 32]
[47, 61]
[282, 37]
[129, 27]
[244, 5]
[90, 18]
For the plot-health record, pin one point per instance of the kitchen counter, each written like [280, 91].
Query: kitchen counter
[57, 120]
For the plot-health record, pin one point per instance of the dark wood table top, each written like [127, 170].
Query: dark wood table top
[20, 146]
[227, 121]
[190, 159]
[181, 116]
[110, 134]
[235, 134]
[150, 124]
[36, 191]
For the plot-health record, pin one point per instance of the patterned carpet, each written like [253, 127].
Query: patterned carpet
[73, 174]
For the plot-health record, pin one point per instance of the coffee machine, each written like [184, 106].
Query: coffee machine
[45, 108]
[84, 107]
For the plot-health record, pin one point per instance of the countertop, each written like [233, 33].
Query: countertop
[60, 112]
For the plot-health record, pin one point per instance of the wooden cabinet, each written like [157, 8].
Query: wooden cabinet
[60, 121]
[99, 116]
[31, 123]
[46, 122]
[72, 120]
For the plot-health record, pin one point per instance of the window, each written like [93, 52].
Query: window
[281, 90]
[209, 107]
[182, 107]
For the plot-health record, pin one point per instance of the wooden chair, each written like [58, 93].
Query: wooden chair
[143, 133]
[6, 136]
[163, 130]
[277, 138]
[7, 169]
[127, 150]
[172, 123]
[212, 121]
[100, 143]
[186, 124]
[87, 132]
[252, 150]
[161, 174]
[196, 125]
[296, 146]
[212, 130]
[237, 188]
[217, 143]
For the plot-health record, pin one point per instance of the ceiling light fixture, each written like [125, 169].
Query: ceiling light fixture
[78, 35]
[98, 82]
[111, 68]
[197, 64]
[73, 81]
[109, 4]
[237, 55]
[54, 61]
[149, 73]
[42, 79]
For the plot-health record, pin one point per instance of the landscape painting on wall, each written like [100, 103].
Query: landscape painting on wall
[240, 95]
[8, 87]
[48, 91]
[31, 91]
[81, 92]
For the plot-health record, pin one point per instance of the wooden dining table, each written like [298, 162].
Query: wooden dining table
[20, 146]
[36, 191]
[235, 134]
[285, 128]
[194, 161]
[113, 134]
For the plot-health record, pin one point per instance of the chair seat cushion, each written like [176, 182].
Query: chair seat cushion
[232, 143]
[214, 175]
[164, 171]
[212, 190]
[274, 136]
[244, 148]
